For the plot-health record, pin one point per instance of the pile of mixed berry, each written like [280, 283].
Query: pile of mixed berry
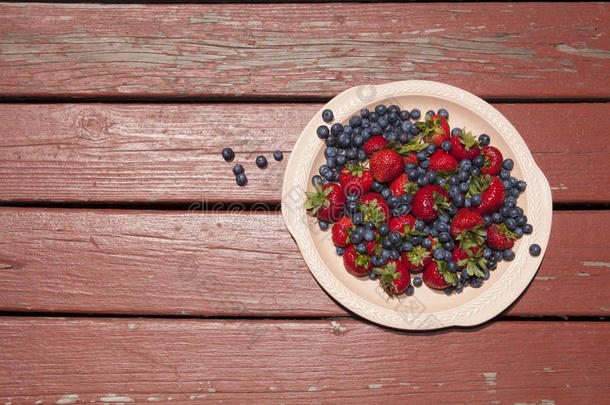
[409, 195]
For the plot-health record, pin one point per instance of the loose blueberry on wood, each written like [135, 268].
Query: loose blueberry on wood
[535, 249]
[261, 162]
[327, 115]
[228, 154]
[241, 179]
[237, 169]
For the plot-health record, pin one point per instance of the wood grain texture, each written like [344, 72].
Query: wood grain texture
[329, 361]
[238, 264]
[493, 50]
[169, 153]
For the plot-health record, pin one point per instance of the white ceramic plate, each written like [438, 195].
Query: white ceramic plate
[427, 308]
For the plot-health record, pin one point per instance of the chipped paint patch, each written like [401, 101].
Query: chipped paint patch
[548, 370]
[404, 383]
[197, 396]
[211, 389]
[545, 278]
[153, 399]
[583, 274]
[375, 386]
[337, 328]
[584, 51]
[116, 398]
[67, 399]
[387, 378]
[313, 389]
[490, 380]
[132, 326]
[560, 187]
[595, 264]
[38, 402]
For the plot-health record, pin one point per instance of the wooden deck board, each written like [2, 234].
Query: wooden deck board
[533, 50]
[171, 152]
[329, 361]
[237, 264]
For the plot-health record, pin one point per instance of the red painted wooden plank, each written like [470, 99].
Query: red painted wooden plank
[494, 50]
[133, 152]
[331, 361]
[155, 262]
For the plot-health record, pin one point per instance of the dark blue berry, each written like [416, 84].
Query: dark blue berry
[323, 225]
[498, 255]
[491, 264]
[508, 255]
[331, 141]
[511, 223]
[475, 200]
[316, 180]
[361, 248]
[415, 114]
[430, 113]
[535, 249]
[227, 154]
[479, 161]
[452, 266]
[278, 155]
[241, 179]
[322, 132]
[372, 276]
[386, 193]
[508, 164]
[369, 235]
[355, 121]
[405, 115]
[351, 154]
[484, 139]
[446, 146]
[336, 129]
[340, 251]
[364, 113]
[394, 237]
[456, 132]
[237, 169]
[381, 109]
[439, 254]
[521, 185]
[527, 229]
[427, 243]
[410, 290]
[444, 113]
[327, 115]
[417, 281]
[383, 229]
[406, 246]
[341, 160]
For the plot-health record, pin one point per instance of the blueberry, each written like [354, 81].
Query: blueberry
[364, 113]
[521, 220]
[323, 225]
[444, 237]
[341, 160]
[327, 115]
[352, 197]
[431, 149]
[387, 244]
[430, 113]
[406, 198]
[441, 182]
[370, 225]
[361, 248]
[383, 229]
[422, 182]
[476, 282]
[237, 169]
[521, 185]
[375, 130]
[348, 129]
[484, 139]
[385, 254]
[458, 200]
[444, 113]
[427, 243]
[535, 249]
[505, 211]
[410, 290]
[406, 246]
[316, 180]
[415, 114]
[355, 121]
[452, 266]
[527, 229]
[508, 255]
[405, 126]
[504, 174]
[227, 154]
[414, 130]
[358, 140]
[514, 192]
[456, 131]
[442, 227]
[340, 251]
[498, 255]
[393, 201]
[416, 240]
[330, 152]
[383, 122]
[381, 109]
[419, 225]
[369, 235]
[344, 141]
[518, 231]
[443, 218]
[351, 154]
[351, 206]
[330, 162]
[464, 275]
[331, 141]
[425, 164]
[372, 276]
[439, 254]
[510, 202]
[405, 115]
[467, 202]
[479, 161]
[476, 171]
[511, 223]
[356, 238]
[496, 217]
[377, 187]
[508, 164]
[417, 281]
[475, 200]
[373, 117]
[394, 254]
[322, 132]
[241, 179]
[386, 193]
[392, 117]
[336, 129]
[491, 264]
[357, 218]
[462, 176]
[412, 175]
[446, 146]
[430, 176]
[394, 237]
[361, 155]
[463, 187]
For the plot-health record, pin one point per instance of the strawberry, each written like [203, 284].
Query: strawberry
[434, 129]
[356, 263]
[400, 223]
[327, 202]
[429, 201]
[436, 275]
[464, 146]
[356, 178]
[394, 277]
[402, 184]
[416, 259]
[386, 165]
[374, 144]
[468, 229]
[493, 160]
[374, 209]
[411, 158]
[499, 237]
[491, 190]
[472, 259]
[342, 231]
[442, 161]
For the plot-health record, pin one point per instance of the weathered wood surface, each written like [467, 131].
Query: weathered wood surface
[240, 264]
[330, 361]
[495, 50]
[168, 153]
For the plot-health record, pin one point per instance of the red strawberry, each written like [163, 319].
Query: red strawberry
[340, 231]
[386, 165]
[436, 275]
[441, 160]
[411, 158]
[492, 193]
[374, 144]
[402, 185]
[499, 237]
[429, 201]
[493, 160]
[399, 223]
[434, 129]
[416, 259]
[394, 277]
[356, 263]
[374, 209]
[464, 218]
[355, 178]
[327, 202]
[472, 259]
[464, 146]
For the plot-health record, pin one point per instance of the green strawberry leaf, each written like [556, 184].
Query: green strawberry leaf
[413, 146]
[362, 260]
[417, 255]
[478, 184]
[316, 200]
[506, 232]
[468, 140]
[372, 213]
[449, 277]
[441, 203]
[471, 238]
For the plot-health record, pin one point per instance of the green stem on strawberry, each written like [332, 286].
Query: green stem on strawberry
[475, 263]
[472, 238]
[316, 200]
